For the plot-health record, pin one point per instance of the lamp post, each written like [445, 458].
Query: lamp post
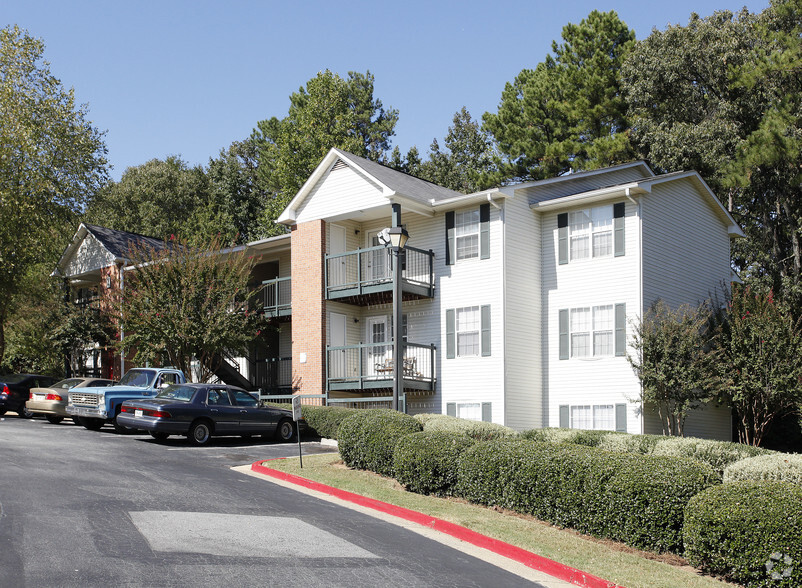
[398, 240]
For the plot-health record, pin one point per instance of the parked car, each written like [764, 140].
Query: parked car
[201, 411]
[95, 406]
[15, 390]
[52, 400]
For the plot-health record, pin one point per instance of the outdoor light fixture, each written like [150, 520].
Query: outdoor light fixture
[398, 237]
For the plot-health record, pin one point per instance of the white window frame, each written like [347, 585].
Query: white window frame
[466, 232]
[593, 226]
[592, 417]
[471, 411]
[468, 327]
[585, 332]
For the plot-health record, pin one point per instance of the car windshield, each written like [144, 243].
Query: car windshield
[176, 392]
[138, 378]
[67, 384]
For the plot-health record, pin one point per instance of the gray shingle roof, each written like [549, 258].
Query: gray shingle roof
[410, 186]
[120, 242]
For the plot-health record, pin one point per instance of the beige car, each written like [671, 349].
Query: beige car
[52, 401]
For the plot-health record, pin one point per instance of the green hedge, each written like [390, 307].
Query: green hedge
[367, 438]
[637, 499]
[324, 421]
[749, 532]
[479, 430]
[717, 454]
[426, 462]
[785, 467]
[643, 444]
[574, 436]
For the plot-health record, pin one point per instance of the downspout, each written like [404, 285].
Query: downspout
[640, 289]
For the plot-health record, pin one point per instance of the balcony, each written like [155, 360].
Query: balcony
[277, 298]
[370, 366]
[273, 375]
[364, 277]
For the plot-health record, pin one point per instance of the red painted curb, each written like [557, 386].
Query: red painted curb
[529, 559]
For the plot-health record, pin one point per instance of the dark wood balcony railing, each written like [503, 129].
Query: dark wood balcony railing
[354, 274]
[277, 297]
[370, 365]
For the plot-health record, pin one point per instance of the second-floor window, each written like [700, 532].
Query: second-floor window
[592, 331]
[468, 331]
[591, 232]
[467, 234]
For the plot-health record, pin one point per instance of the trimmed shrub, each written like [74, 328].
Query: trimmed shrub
[426, 462]
[368, 437]
[717, 454]
[749, 532]
[643, 444]
[574, 436]
[636, 499]
[479, 430]
[783, 467]
[325, 420]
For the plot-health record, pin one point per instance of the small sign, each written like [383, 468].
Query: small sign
[296, 408]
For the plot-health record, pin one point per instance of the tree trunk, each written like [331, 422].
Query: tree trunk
[2, 332]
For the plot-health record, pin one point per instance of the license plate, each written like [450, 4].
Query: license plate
[137, 413]
[39, 396]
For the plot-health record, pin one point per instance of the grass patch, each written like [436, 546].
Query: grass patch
[612, 561]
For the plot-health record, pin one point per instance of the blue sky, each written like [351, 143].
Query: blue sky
[182, 77]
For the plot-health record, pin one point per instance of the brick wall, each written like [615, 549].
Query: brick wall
[308, 307]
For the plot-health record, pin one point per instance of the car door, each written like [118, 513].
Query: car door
[253, 420]
[222, 411]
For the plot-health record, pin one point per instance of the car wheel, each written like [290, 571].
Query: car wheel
[92, 424]
[24, 413]
[200, 432]
[121, 429]
[54, 419]
[285, 431]
[159, 436]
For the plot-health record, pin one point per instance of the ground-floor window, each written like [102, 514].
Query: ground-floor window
[600, 417]
[473, 411]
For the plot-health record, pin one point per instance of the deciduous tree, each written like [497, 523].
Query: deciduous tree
[51, 160]
[187, 303]
[760, 344]
[674, 361]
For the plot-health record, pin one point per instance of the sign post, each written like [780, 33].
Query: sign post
[296, 416]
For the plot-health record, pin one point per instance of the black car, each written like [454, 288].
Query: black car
[201, 411]
[15, 390]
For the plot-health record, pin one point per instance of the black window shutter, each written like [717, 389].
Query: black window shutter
[451, 242]
[621, 418]
[618, 229]
[484, 231]
[451, 409]
[564, 424]
[451, 335]
[564, 347]
[487, 412]
[485, 342]
[620, 329]
[562, 238]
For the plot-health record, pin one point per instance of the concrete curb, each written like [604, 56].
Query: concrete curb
[527, 558]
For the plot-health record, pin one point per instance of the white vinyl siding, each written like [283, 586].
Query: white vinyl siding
[686, 249]
[340, 191]
[523, 367]
[469, 283]
[592, 375]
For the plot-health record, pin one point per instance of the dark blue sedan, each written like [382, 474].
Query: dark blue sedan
[201, 411]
